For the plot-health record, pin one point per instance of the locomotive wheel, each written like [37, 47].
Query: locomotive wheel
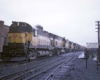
[58, 52]
[50, 53]
[27, 58]
[66, 50]
[32, 56]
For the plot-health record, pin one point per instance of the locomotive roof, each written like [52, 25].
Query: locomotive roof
[21, 27]
[54, 36]
[6, 26]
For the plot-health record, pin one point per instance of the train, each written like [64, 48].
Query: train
[24, 42]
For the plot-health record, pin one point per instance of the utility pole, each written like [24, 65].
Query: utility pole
[98, 52]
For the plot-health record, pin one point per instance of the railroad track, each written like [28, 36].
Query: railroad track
[11, 67]
[50, 74]
[11, 63]
[30, 73]
[15, 75]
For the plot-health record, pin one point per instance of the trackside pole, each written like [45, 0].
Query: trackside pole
[97, 62]
[86, 55]
[98, 54]
[86, 62]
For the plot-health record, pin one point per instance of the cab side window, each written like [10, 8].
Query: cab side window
[56, 42]
[35, 33]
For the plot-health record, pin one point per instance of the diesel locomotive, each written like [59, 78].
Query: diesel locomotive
[24, 42]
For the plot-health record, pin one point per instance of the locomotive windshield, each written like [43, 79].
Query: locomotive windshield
[20, 27]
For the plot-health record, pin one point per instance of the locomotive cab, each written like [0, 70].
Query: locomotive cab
[19, 39]
[19, 34]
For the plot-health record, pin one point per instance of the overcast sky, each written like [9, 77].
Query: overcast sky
[72, 19]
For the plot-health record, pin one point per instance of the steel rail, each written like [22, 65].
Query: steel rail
[9, 76]
[52, 74]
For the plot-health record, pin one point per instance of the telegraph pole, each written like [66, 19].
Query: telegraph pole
[98, 52]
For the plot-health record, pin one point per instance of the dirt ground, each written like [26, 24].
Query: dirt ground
[80, 72]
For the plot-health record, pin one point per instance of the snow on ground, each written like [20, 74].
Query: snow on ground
[95, 58]
[81, 55]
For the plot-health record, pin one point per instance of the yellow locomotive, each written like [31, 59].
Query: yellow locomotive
[26, 43]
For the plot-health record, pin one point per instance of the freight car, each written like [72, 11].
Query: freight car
[26, 43]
